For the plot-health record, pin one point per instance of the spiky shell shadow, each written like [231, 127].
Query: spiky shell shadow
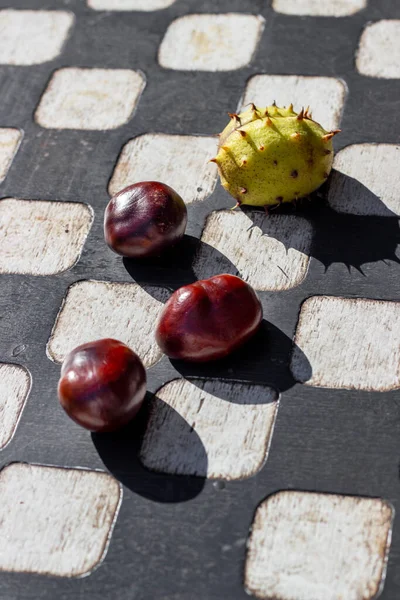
[267, 156]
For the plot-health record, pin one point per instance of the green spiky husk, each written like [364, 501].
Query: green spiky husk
[271, 155]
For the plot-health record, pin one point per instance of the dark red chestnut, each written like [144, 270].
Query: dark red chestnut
[144, 219]
[208, 319]
[102, 385]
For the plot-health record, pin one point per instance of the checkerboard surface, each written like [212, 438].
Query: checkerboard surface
[274, 472]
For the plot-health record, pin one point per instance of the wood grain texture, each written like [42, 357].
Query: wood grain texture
[316, 8]
[41, 238]
[145, 5]
[10, 140]
[269, 252]
[55, 521]
[30, 37]
[325, 95]
[89, 98]
[94, 310]
[158, 157]
[220, 42]
[378, 53]
[366, 180]
[348, 343]
[15, 383]
[234, 427]
[308, 546]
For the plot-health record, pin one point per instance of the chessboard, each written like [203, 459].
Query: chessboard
[273, 472]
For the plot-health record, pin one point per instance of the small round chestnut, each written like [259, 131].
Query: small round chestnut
[144, 219]
[102, 385]
[208, 319]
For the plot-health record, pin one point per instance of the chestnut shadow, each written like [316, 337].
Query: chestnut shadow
[350, 239]
[187, 262]
[172, 269]
[236, 391]
[120, 453]
[264, 359]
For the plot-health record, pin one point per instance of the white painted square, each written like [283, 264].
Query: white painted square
[208, 42]
[38, 237]
[144, 5]
[89, 98]
[324, 95]
[93, 310]
[309, 546]
[235, 430]
[371, 183]
[180, 161]
[349, 343]
[378, 53]
[319, 8]
[55, 521]
[15, 384]
[10, 140]
[30, 37]
[270, 252]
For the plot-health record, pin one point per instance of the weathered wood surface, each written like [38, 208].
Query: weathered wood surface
[318, 8]
[89, 98]
[41, 238]
[325, 95]
[180, 161]
[220, 42]
[55, 521]
[97, 309]
[366, 180]
[378, 53]
[269, 252]
[145, 5]
[15, 383]
[308, 546]
[30, 37]
[350, 343]
[194, 432]
[10, 140]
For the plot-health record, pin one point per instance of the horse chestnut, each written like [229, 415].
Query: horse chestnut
[208, 319]
[144, 219]
[102, 385]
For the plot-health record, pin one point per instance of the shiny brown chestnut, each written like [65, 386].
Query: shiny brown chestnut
[208, 319]
[102, 385]
[144, 219]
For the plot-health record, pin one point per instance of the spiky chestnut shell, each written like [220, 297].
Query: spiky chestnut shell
[271, 155]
